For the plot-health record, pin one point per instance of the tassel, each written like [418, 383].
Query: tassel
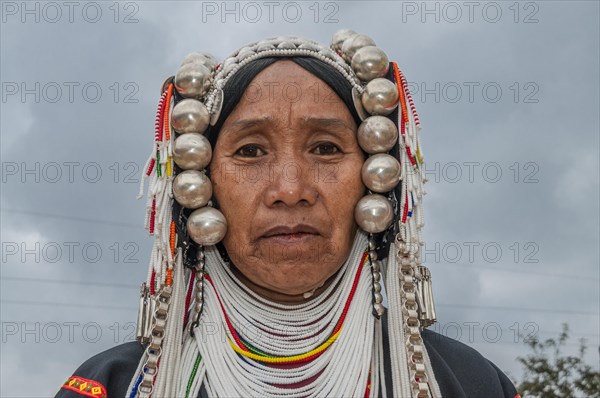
[142, 319]
[427, 315]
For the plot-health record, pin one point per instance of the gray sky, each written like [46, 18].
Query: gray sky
[507, 92]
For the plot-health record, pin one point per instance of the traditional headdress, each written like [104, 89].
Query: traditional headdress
[181, 295]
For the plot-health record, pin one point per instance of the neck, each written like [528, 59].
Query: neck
[278, 297]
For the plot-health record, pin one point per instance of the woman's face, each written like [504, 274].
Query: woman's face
[286, 175]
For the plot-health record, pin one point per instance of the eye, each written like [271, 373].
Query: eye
[327, 148]
[250, 151]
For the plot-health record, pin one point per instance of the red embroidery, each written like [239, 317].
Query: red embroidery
[85, 387]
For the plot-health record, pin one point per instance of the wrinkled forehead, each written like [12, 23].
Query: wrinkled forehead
[286, 89]
[267, 88]
[286, 80]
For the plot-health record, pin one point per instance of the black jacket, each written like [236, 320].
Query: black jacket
[459, 370]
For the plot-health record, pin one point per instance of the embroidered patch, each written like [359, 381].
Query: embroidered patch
[85, 387]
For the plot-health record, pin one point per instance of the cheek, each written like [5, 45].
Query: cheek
[237, 192]
[342, 190]
[347, 187]
[228, 192]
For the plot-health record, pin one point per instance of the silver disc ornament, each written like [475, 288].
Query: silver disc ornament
[190, 116]
[369, 63]
[374, 213]
[192, 151]
[380, 97]
[192, 189]
[192, 80]
[377, 134]
[381, 172]
[207, 226]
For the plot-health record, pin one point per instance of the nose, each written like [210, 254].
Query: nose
[291, 186]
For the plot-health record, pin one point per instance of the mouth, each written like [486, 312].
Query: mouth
[290, 234]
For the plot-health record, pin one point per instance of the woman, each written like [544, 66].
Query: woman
[284, 204]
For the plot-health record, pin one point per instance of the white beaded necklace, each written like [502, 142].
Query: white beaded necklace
[285, 330]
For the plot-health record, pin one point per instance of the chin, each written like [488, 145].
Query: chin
[307, 255]
[299, 278]
[295, 289]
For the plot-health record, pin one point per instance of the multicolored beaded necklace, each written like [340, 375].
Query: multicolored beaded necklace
[327, 346]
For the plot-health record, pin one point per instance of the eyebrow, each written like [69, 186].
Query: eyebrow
[333, 123]
[306, 121]
[246, 124]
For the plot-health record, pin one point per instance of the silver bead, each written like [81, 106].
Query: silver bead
[374, 213]
[369, 63]
[377, 134]
[380, 97]
[378, 298]
[379, 309]
[192, 189]
[352, 44]
[372, 244]
[203, 58]
[381, 172]
[373, 255]
[190, 116]
[192, 80]
[377, 287]
[192, 151]
[376, 277]
[339, 37]
[376, 266]
[207, 226]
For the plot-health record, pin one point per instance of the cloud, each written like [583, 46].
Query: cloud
[541, 133]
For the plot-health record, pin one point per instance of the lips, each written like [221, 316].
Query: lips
[290, 232]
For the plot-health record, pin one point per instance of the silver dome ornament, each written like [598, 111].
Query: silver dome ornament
[192, 80]
[190, 116]
[381, 172]
[203, 58]
[353, 43]
[286, 45]
[192, 151]
[329, 54]
[192, 189]
[207, 226]
[309, 46]
[357, 100]
[377, 134]
[370, 62]
[265, 47]
[217, 105]
[245, 53]
[374, 213]
[380, 97]
[339, 37]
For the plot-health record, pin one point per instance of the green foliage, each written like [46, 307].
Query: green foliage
[550, 374]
